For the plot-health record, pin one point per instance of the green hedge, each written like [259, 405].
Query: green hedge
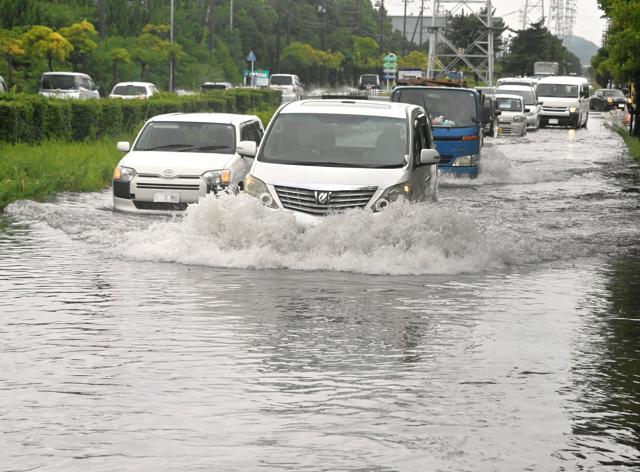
[32, 118]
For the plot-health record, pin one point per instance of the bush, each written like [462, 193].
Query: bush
[28, 118]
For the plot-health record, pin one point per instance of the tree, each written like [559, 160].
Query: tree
[82, 37]
[118, 56]
[11, 50]
[623, 43]
[43, 42]
[414, 60]
[149, 48]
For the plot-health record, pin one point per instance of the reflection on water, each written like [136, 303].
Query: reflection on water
[137, 343]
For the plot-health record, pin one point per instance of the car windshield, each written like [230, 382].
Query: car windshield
[129, 90]
[508, 104]
[528, 96]
[336, 140]
[613, 93]
[59, 82]
[557, 90]
[187, 137]
[281, 80]
[448, 107]
[369, 79]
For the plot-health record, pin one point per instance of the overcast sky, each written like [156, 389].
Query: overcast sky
[588, 23]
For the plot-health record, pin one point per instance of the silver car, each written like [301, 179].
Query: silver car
[512, 120]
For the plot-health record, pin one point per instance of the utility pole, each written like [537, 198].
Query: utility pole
[171, 61]
[421, 20]
[404, 28]
[231, 16]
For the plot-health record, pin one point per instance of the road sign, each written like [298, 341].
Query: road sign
[389, 76]
[251, 57]
[391, 57]
[391, 66]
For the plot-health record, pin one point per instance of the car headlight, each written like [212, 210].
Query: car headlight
[124, 174]
[572, 110]
[610, 100]
[466, 161]
[257, 188]
[518, 119]
[391, 194]
[217, 178]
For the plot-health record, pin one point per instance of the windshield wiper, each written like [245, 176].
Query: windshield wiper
[168, 146]
[210, 147]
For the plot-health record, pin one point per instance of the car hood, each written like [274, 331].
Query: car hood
[181, 163]
[327, 178]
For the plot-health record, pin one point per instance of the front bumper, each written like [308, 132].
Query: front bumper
[154, 195]
[511, 128]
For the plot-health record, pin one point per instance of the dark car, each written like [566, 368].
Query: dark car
[607, 99]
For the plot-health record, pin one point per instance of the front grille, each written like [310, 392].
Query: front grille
[172, 186]
[158, 176]
[506, 130]
[548, 108]
[161, 206]
[308, 201]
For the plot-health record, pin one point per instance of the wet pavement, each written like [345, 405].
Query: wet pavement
[496, 330]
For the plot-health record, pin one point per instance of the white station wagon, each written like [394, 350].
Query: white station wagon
[180, 157]
[323, 156]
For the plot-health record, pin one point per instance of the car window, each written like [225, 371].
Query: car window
[251, 132]
[281, 80]
[508, 104]
[174, 136]
[558, 90]
[129, 90]
[59, 82]
[420, 141]
[447, 107]
[527, 95]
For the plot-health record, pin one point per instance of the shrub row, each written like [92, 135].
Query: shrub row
[30, 119]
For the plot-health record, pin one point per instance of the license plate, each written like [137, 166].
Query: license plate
[166, 197]
[553, 121]
[620, 105]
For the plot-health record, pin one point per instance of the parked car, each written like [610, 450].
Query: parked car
[288, 84]
[489, 115]
[565, 101]
[528, 94]
[513, 119]
[178, 158]
[207, 86]
[129, 90]
[607, 99]
[74, 85]
[369, 82]
[322, 156]
[3, 86]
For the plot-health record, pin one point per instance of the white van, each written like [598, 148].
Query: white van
[323, 156]
[73, 85]
[565, 101]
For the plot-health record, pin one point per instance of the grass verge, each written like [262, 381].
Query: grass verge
[36, 172]
[633, 143]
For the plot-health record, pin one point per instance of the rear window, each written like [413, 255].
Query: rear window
[281, 80]
[59, 82]
[129, 90]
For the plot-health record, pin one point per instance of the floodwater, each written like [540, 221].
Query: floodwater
[497, 330]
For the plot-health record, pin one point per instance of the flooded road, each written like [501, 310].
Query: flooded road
[497, 330]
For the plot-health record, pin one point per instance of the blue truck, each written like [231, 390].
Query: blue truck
[457, 127]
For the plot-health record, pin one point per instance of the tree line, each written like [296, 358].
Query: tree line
[325, 42]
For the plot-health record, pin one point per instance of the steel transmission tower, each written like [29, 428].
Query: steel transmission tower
[532, 12]
[445, 57]
[562, 17]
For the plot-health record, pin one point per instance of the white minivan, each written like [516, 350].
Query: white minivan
[323, 156]
[74, 85]
[564, 100]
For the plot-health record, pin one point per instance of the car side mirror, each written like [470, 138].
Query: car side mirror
[540, 103]
[124, 146]
[429, 156]
[498, 113]
[527, 110]
[247, 148]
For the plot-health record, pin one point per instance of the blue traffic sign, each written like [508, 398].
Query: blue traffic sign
[251, 57]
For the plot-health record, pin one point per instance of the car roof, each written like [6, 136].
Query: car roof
[563, 80]
[65, 73]
[522, 87]
[222, 118]
[436, 87]
[349, 107]
[135, 83]
[508, 95]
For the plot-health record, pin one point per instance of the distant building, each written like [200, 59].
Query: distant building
[415, 26]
